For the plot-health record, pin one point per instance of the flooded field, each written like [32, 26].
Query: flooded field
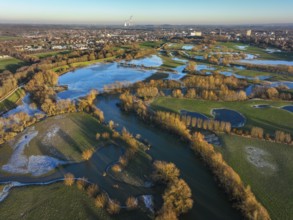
[235, 118]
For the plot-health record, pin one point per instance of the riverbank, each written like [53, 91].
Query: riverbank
[255, 117]
[266, 167]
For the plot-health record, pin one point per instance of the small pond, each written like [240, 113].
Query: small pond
[152, 61]
[193, 114]
[236, 119]
[267, 62]
[288, 108]
[187, 47]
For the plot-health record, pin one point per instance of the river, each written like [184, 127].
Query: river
[210, 201]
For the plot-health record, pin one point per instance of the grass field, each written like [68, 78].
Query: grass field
[157, 76]
[168, 62]
[250, 49]
[151, 44]
[12, 101]
[76, 132]
[270, 119]
[63, 137]
[49, 54]
[50, 202]
[256, 50]
[10, 64]
[3, 38]
[175, 46]
[136, 170]
[273, 188]
[87, 63]
[64, 69]
[255, 73]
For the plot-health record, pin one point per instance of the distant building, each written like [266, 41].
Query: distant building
[4, 56]
[248, 33]
[196, 34]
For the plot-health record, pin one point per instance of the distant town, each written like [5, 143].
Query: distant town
[39, 38]
[160, 122]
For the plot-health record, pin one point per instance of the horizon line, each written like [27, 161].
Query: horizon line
[144, 24]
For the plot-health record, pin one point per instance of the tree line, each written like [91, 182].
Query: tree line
[272, 93]
[177, 195]
[242, 196]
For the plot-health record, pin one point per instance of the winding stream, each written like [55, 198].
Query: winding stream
[210, 201]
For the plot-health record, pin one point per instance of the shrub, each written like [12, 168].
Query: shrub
[101, 200]
[81, 183]
[105, 135]
[167, 213]
[165, 172]
[123, 161]
[113, 207]
[87, 154]
[116, 168]
[92, 190]
[68, 179]
[111, 124]
[115, 134]
[178, 196]
[131, 203]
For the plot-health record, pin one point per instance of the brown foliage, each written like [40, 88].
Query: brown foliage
[113, 207]
[167, 213]
[87, 154]
[81, 183]
[131, 203]
[116, 168]
[229, 179]
[68, 179]
[105, 135]
[92, 190]
[178, 196]
[101, 200]
[165, 172]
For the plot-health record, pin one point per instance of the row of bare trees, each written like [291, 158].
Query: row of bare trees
[11, 126]
[213, 95]
[206, 124]
[229, 179]
[280, 136]
[264, 92]
[102, 200]
[242, 196]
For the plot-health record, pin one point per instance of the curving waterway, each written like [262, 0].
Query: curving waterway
[210, 200]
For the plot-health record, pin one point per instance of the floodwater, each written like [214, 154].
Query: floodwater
[227, 73]
[187, 47]
[24, 107]
[81, 81]
[271, 50]
[193, 114]
[200, 67]
[210, 201]
[151, 61]
[267, 62]
[282, 83]
[93, 170]
[261, 106]
[235, 118]
[241, 47]
[288, 108]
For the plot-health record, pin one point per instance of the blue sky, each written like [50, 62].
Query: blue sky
[147, 11]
